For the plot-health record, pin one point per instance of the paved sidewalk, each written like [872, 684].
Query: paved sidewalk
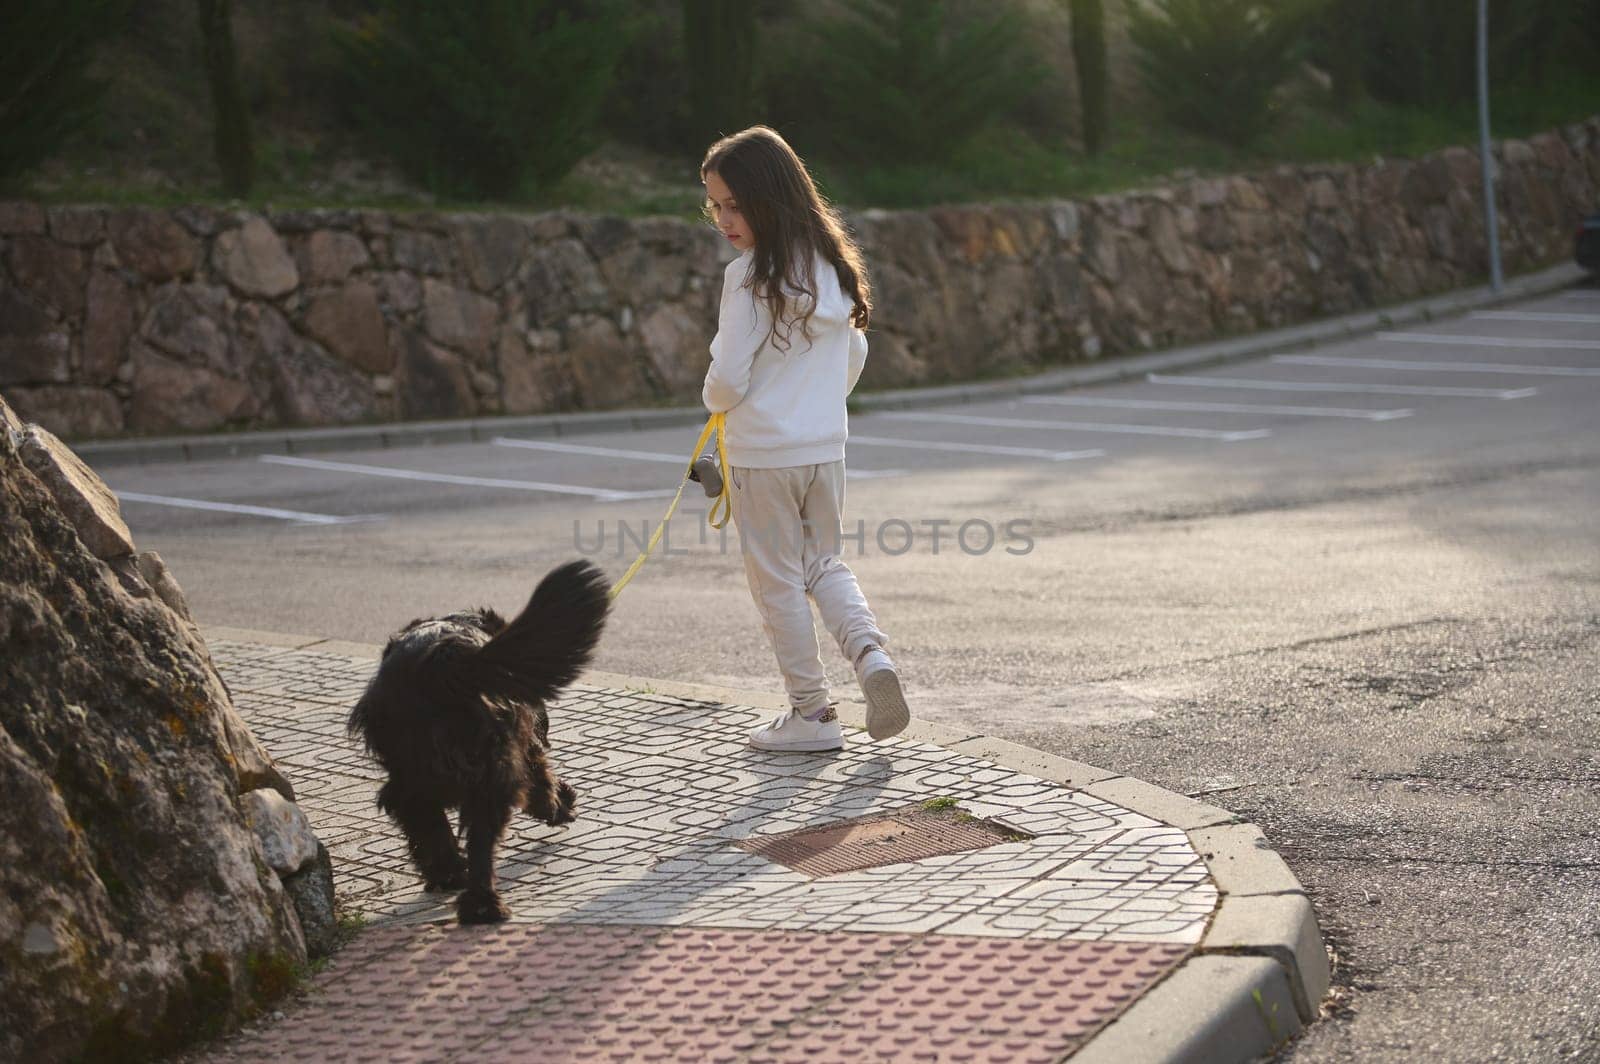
[969, 900]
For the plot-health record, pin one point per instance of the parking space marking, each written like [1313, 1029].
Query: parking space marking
[603, 494]
[1442, 367]
[1538, 315]
[1583, 297]
[1490, 341]
[1084, 426]
[1220, 408]
[297, 516]
[648, 456]
[1442, 391]
[979, 448]
[582, 448]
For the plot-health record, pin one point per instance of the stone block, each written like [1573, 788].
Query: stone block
[1233, 1008]
[1166, 806]
[1060, 770]
[170, 395]
[1242, 862]
[254, 261]
[349, 322]
[163, 583]
[33, 348]
[152, 244]
[458, 318]
[492, 249]
[116, 916]
[287, 841]
[329, 256]
[1282, 927]
[50, 271]
[108, 324]
[431, 381]
[79, 226]
[311, 891]
[71, 412]
[17, 216]
[83, 497]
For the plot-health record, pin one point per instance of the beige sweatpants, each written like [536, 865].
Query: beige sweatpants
[789, 534]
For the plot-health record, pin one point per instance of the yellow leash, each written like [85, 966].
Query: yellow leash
[715, 425]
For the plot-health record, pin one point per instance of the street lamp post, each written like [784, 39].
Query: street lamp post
[1496, 279]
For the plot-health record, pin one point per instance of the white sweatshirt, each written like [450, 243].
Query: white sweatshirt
[784, 407]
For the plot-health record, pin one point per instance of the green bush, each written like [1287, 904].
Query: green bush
[45, 93]
[1214, 65]
[483, 99]
[899, 81]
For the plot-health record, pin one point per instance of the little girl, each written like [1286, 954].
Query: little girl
[789, 348]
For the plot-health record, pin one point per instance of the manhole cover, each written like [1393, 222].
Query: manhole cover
[880, 839]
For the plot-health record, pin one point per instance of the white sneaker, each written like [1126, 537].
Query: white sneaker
[790, 732]
[887, 713]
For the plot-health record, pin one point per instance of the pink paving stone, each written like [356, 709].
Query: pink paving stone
[569, 992]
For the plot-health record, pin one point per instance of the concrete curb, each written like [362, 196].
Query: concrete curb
[1256, 978]
[1125, 367]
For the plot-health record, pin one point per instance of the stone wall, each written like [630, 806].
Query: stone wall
[116, 321]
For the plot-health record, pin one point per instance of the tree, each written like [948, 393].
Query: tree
[483, 98]
[1214, 65]
[901, 82]
[234, 146]
[719, 43]
[1089, 56]
[46, 94]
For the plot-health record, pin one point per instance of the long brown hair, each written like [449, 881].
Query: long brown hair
[791, 222]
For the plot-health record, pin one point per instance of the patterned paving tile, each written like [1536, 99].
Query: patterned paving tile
[667, 785]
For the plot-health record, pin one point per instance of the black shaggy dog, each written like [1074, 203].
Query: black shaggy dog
[456, 716]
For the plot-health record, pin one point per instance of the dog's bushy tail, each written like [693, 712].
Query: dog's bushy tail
[548, 644]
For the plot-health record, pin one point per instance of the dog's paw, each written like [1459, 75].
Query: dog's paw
[554, 809]
[566, 809]
[481, 907]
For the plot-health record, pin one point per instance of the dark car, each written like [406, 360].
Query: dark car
[1588, 252]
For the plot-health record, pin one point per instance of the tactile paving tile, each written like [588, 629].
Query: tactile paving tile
[588, 993]
[874, 841]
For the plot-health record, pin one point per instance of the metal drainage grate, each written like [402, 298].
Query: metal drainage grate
[880, 839]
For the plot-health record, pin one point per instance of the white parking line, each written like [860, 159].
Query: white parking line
[1443, 367]
[1343, 386]
[649, 456]
[1584, 296]
[297, 516]
[1491, 341]
[606, 494]
[1084, 426]
[583, 448]
[1537, 315]
[1221, 408]
[978, 448]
